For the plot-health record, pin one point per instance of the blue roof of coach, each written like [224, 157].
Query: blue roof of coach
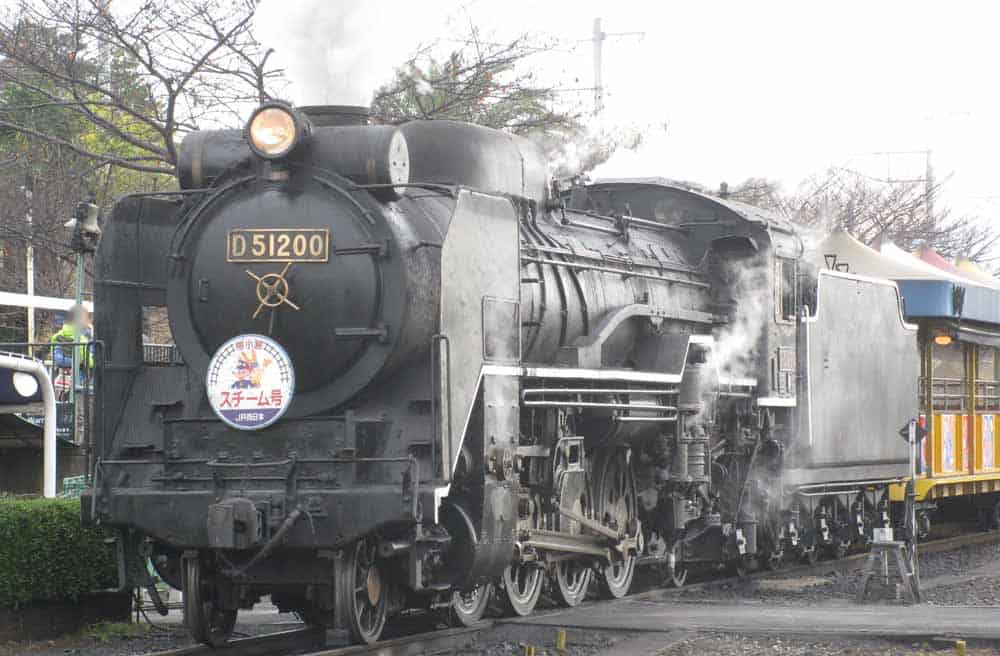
[948, 299]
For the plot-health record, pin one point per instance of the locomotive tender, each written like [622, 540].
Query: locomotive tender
[414, 372]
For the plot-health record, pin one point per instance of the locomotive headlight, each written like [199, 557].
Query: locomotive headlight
[25, 384]
[274, 130]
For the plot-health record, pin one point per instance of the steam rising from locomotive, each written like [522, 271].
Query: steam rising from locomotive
[412, 371]
[326, 49]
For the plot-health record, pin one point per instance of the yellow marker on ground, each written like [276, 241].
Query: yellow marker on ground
[960, 647]
[561, 639]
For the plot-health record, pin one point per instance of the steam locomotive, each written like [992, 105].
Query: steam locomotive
[414, 374]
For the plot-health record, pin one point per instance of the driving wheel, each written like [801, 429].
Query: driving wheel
[522, 587]
[362, 590]
[572, 578]
[207, 621]
[616, 507]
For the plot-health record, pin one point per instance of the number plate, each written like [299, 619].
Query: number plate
[278, 245]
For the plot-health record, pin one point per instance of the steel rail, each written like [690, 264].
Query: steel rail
[433, 642]
[312, 642]
[296, 641]
[846, 564]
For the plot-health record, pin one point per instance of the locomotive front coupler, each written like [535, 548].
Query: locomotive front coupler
[269, 547]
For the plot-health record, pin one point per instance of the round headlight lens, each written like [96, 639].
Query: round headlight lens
[25, 384]
[273, 132]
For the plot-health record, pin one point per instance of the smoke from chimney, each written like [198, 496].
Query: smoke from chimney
[339, 52]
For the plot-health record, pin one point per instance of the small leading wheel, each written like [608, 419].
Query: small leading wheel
[808, 551]
[616, 507]
[741, 566]
[840, 547]
[468, 606]
[522, 586]
[675, 570]
[993, 517]
[362, 589]
[809, 555]
[772, 558]
[572, 578]
[206, 620]
[923, 525]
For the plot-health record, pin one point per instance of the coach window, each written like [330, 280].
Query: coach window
[948, 378]
[786, 288]
[987, 380]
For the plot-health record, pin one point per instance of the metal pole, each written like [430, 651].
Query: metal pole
[598, 38]
[78, 337]
[929, 188]
[911, 507]
[30, 263]
[911, 495]
[598, 83]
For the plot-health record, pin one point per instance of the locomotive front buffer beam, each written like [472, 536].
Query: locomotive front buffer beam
[199, 519]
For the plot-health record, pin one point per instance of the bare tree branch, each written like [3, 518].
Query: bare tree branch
[872, 210]
[140, 75]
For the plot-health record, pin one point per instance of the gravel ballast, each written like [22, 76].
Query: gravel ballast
[737, 645]
[942, 574]
[967, 576]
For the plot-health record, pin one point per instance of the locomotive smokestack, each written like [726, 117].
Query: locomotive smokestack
[329, 115]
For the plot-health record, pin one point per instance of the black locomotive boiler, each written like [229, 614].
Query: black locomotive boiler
[412, 375]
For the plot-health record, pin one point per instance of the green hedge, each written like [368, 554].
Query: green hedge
[46, 555]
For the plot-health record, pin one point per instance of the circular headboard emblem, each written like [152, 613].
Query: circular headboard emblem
[250, 382]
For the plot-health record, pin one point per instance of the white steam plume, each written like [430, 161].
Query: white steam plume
[577, 152]
[736, 344]
[339, 52]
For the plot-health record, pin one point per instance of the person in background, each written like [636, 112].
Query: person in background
[62, 356]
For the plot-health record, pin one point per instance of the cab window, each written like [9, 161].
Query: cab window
[786, 289]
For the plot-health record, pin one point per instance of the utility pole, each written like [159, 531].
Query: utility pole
[598, 82]
[598, 40]
[929, 189]
[29, 267]
[928, 178]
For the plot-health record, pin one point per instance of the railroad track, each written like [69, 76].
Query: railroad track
[846, 564]
[312, 642]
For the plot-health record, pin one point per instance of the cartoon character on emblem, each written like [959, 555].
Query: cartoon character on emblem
[247, 372]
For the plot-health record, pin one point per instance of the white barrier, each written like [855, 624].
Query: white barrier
[37, 369]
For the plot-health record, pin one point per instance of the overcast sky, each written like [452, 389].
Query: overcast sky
[753, 88]
[776, 89]
[786, 89]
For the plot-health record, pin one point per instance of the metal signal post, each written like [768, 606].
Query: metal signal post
[913, 433]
